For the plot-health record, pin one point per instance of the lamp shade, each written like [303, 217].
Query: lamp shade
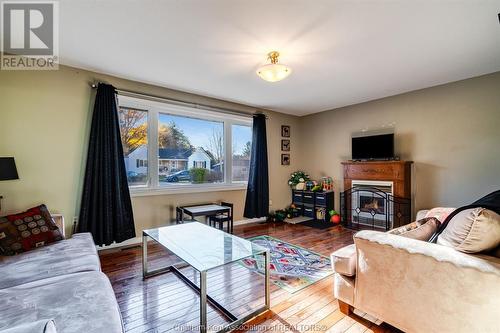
[274, 72]
[8, 169]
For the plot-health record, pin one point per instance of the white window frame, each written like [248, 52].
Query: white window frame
[154, 108]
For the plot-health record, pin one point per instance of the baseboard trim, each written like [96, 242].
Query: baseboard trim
[249, 221]
[128, 243]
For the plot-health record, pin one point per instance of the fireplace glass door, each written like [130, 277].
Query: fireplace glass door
[371, 208]
[364, 206]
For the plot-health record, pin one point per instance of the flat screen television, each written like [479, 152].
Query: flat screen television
[373, 147]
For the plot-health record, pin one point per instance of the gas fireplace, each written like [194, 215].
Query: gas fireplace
[371, 203]
[376, 194]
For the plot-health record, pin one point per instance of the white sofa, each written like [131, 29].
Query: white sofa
[57, 288]
[418, 286]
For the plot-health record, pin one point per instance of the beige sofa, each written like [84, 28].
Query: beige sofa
[418, 286]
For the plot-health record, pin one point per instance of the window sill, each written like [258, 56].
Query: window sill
[149, 191]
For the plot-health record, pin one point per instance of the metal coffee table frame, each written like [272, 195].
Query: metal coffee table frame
[202, 289]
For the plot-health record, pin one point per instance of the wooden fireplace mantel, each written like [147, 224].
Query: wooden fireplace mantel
[398, 172]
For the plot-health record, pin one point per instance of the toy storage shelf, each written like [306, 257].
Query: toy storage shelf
[309, 203]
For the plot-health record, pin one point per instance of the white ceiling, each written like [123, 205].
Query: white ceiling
[341, 52]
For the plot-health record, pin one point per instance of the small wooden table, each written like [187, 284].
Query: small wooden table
[202, 210]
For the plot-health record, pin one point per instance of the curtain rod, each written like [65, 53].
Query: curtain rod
[179, 102]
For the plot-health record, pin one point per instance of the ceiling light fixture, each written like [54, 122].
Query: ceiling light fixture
[273, 72]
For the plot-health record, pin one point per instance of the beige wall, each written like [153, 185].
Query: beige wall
[451, 132]
[44, 124]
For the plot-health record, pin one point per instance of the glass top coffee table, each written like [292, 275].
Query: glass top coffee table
[204, 248]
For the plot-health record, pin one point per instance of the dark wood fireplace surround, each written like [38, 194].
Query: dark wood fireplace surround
[398, 172]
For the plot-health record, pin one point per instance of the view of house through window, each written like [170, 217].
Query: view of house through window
[190, 150]
[134, 135]
[191, 145]
[242, 146]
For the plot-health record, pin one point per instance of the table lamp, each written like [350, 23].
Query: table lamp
[8, 171]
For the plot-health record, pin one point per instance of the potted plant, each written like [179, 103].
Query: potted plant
[297, 177]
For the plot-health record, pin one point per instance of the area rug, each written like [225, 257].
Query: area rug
[292, 267]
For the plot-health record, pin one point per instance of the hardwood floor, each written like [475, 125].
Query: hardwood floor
[165, 304]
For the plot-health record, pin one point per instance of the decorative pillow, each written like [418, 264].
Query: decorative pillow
[422, 229]
[472, 230]
[28, 230]
[441, 213]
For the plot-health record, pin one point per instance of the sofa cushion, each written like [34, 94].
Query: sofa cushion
[472, 230]
[422, 229]
[344, 260]
[77, 254]
[39, 326]
[80, 302]
[27, 230]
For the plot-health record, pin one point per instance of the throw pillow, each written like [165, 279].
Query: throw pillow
[28, 230]
[472, 230]
[441, 213]
[422, 229]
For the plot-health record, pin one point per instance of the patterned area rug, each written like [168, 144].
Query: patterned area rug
[292, 267]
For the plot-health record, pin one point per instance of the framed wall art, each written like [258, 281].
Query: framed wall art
[285, 145]
[285, 159]
[285, 131]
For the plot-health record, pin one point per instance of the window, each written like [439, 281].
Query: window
[200, 164]
[168, 146]
[242, 147]
[141, 163]
[134, 135]
[190, 150]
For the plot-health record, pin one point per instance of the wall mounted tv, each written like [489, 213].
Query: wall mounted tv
[373, 147]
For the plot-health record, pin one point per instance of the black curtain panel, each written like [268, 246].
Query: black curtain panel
[106, 209]
[257, 200]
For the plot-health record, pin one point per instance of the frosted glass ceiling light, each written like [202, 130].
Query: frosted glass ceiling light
[273, 72]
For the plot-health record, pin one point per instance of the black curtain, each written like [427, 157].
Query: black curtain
[257, 200]
[106, 209]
